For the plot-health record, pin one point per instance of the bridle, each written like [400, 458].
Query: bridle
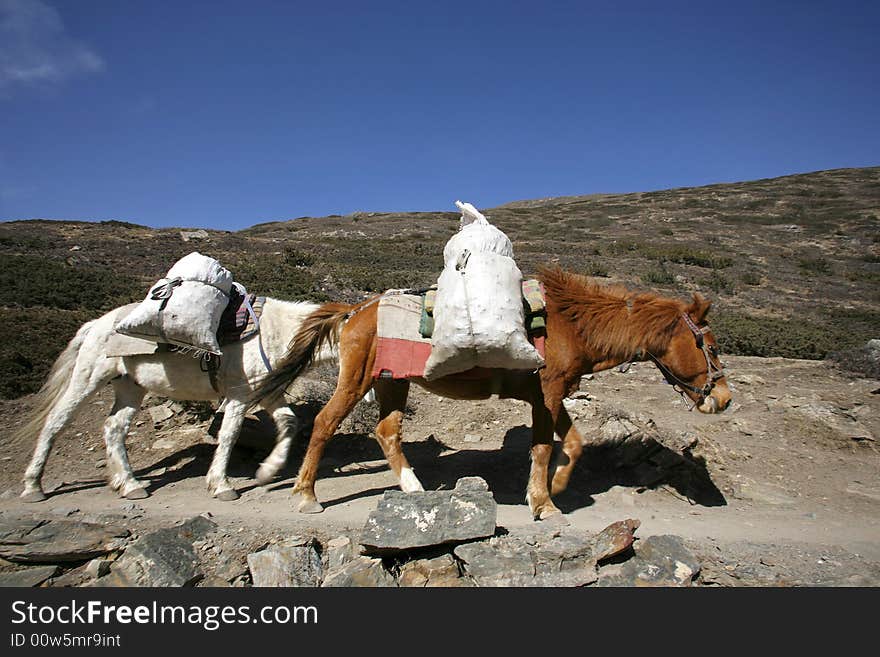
[713, 372]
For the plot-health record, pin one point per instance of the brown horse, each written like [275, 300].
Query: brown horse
[589, 328]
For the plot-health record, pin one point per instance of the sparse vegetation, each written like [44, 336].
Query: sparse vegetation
[658, 276]
[798, 253]
[815, 266]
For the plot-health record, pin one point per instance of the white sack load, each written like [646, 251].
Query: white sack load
[478, 314]
[184, 308]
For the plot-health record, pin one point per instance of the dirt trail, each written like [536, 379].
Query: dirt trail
[782, 489]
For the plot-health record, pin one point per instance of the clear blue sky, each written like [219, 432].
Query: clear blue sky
[225, 114]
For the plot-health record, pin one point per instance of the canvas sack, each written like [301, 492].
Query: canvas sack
[478, 314]
[184, 308]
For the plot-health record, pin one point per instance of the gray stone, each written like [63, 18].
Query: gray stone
[57, 541]
[187, 235]
[163, 443]
[160, 558]
[659, 561]
[441, 571]
[75, 577]
[231, 569]
[98, 568]
[405, 521]
[617, 429]
[160, 414]
[292, 563]
[339, 551]
[566, 552]
[196, 527]
[472, 438]
[28, 577]
[497, 562]
[360, 572]
[471, 483]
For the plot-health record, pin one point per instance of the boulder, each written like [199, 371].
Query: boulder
[294, 562]
[659, 561]
[406, 521]
[98, 568]
[165, 557]
[28, 577]
[159, 414]
[497, 562]
[339, 551]
[360, 572]
[57, 541]
[614, 539]
[441, 571]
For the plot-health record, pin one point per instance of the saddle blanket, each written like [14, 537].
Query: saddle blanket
[236, 324]
[402, 350]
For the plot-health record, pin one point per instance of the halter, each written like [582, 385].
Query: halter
[713, 373]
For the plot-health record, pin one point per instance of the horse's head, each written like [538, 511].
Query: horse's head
[690, 362]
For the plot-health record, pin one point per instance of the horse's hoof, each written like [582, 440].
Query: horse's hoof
[551, 513]
[228, 495]
[554, 519]
[264, 476]
[310, 506]
[31, 496]
[137, 494]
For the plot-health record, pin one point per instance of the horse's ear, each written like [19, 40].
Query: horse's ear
[699, 308]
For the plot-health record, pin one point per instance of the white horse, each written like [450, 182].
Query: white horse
[84, 366]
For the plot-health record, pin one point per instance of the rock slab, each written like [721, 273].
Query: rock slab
[659, 561]
[165, 557]
[406, 521]
[361, 572]
[295, 562]
[28, 577]
[57, 541]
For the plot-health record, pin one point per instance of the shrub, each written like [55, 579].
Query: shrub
[658, 276]
[685, 255]
[718, 283]
[31, 281]
[815, 265]
[593, 268]
[44, 332]
[863, 360]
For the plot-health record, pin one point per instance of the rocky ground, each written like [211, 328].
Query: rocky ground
[783, 489]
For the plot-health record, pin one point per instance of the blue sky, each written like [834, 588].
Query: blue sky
[225, 114]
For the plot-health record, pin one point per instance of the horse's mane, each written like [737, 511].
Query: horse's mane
[612, 318]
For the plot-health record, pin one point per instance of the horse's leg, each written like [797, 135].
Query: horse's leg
[392, 400]
[538, 492]
[349, 391]
[86, 376]
[233, 418]
[572, 447]
[286, 424]
[129, 396]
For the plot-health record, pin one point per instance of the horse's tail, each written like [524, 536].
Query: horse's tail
[56, 384]
[319, 330]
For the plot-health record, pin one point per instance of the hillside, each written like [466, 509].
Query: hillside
[792, 263]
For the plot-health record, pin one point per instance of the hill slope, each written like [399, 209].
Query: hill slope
[793, 263]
